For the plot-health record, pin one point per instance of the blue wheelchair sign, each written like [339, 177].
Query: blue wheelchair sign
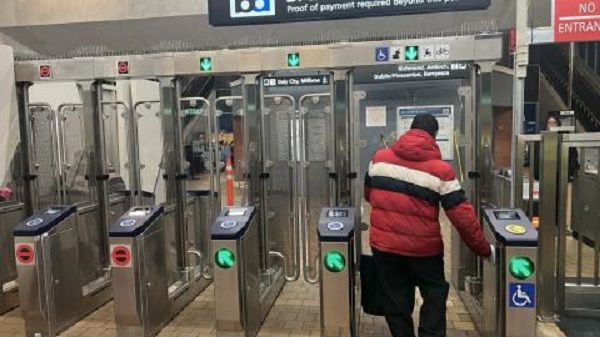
[382, 54]
[521, 295]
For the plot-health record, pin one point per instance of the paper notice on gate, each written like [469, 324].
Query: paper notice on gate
[376, 116]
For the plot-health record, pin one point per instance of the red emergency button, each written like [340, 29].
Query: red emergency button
[25, 254]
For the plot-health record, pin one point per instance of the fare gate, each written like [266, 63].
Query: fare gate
[138, 262]
[340, 310]
[509, 278]
[46, 249]
[238, 307]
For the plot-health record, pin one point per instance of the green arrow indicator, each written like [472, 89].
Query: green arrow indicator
[411, 53]
[293, 60]
[334, 261]
[205, 64]
[521, 267]
[224, 258]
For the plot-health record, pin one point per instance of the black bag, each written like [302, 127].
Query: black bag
[373, 299]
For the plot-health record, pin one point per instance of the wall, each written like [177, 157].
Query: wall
[55, 93]
[9, 121]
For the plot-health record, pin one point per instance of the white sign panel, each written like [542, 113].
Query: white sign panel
[376, 116]
[445, 117]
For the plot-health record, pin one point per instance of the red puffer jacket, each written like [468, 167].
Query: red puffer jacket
[405, 186]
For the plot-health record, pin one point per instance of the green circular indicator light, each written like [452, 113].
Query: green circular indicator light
[521, 267]
[334, 261]
[225, 258]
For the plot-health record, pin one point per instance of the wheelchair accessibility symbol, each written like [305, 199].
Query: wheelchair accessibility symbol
[521, 295]
[382, 54]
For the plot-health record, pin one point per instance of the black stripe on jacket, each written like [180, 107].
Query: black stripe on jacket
[398, 186]
[453, 198]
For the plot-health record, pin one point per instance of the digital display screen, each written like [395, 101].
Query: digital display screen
[337, 213]
[53, 211]
[236, 212]
[507, 215]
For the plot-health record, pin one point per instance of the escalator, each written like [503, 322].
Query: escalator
[553, 61]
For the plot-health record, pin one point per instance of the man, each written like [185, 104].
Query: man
[405, 186]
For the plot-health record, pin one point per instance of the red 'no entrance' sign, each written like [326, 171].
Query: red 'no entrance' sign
[45, 71]
[25, 254]
[120, 255]
[123, 67]
[576, 20]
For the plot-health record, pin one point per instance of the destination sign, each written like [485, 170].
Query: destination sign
[295, 81]
[412, 72]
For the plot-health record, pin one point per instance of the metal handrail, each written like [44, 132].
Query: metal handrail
[307, 269]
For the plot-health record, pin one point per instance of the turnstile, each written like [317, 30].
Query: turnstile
[509, 280]
[340, 311]
[137, 250]
[238, 308]
[47, 251]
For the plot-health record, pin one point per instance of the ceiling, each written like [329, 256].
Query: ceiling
[194, 32]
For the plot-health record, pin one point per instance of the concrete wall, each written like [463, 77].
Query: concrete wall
[9, 122]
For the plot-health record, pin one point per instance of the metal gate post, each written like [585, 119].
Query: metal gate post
[98, 175]
[547, 230]
[25, 147]
[340, 170]
[173, 161]
[254, 164]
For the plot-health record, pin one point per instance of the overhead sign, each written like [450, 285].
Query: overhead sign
[25, 254]
[412, 72]
[521, 295]
[295, 81]
[247, 12]
[120, 256]
[576, 20]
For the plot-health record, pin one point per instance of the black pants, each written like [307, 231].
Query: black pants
[399, 275]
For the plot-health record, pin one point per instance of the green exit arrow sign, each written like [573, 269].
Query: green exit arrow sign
[411, 53]
[293, 60]
[205, 64]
